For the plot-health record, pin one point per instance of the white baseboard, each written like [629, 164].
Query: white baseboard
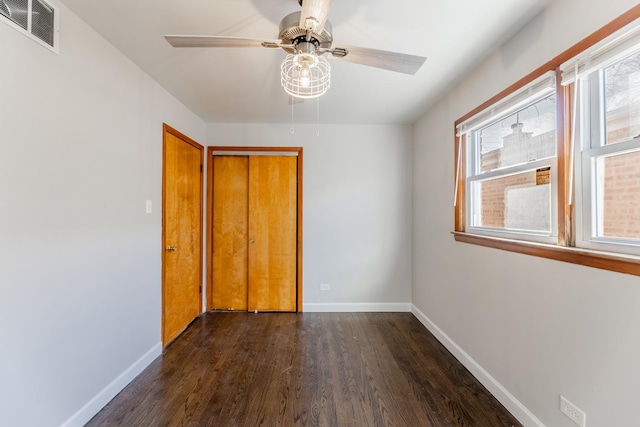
[365, 307]
[93, 406]
[509, 401]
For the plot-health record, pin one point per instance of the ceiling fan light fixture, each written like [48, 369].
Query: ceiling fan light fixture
[306, 36]
[305, 74]
[305, 77]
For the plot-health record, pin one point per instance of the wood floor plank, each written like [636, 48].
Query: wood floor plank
[309, 369]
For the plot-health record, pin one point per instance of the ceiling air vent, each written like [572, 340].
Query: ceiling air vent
[17, 11]
[35, 18]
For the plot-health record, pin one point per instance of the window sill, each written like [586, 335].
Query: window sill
[604, 260]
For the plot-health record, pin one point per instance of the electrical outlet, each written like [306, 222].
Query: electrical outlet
[325, 287]
[572, 411]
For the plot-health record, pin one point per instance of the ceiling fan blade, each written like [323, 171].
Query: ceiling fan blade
[392, 61]
[220, 41]
[314, 14]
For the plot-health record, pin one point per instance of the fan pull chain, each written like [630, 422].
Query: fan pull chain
[318, 117]
[293, 130]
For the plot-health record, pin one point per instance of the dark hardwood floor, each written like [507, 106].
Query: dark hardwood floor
[311, 369]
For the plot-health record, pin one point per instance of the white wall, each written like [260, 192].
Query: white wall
[357, 209]
[541, 328]
[80, 152]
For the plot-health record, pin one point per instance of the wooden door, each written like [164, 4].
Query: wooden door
[272, 233]
[182, 233]
[255, 251]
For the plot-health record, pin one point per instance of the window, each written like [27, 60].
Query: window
[35, 18]
[554, 170]
[511, 167]
[608, 146]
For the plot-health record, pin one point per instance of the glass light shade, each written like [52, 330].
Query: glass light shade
[305, 75]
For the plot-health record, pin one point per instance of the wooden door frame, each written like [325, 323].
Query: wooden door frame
[209, 251]
[166, 129]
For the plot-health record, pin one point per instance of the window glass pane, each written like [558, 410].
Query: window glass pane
[618, 195]
[519, 202]
[622, 99]
[529, 134]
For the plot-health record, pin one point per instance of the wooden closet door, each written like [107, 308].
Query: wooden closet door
[230, 232]
[272, 233]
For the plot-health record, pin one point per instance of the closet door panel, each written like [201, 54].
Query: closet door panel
[272, 233]
[230, 232]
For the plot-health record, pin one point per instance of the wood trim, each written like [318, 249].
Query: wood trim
[603, 260]
[209, 232]
[299, 255]
[257, 149]
[201, 148]
[210, 151]
[166, 129]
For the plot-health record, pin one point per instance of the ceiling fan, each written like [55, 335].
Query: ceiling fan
[306, 36]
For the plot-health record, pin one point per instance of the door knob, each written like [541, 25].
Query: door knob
[252, 240]
[171, 248]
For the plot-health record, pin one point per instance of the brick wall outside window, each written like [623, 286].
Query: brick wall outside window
[621, 183]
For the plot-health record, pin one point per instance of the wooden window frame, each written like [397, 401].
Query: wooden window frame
[564, 250]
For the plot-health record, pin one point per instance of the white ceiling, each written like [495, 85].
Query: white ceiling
[243, 85]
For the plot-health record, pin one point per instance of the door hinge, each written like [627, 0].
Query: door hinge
[200, 288]
[200, 168]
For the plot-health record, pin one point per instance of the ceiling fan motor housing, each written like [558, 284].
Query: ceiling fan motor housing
[292, 34]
